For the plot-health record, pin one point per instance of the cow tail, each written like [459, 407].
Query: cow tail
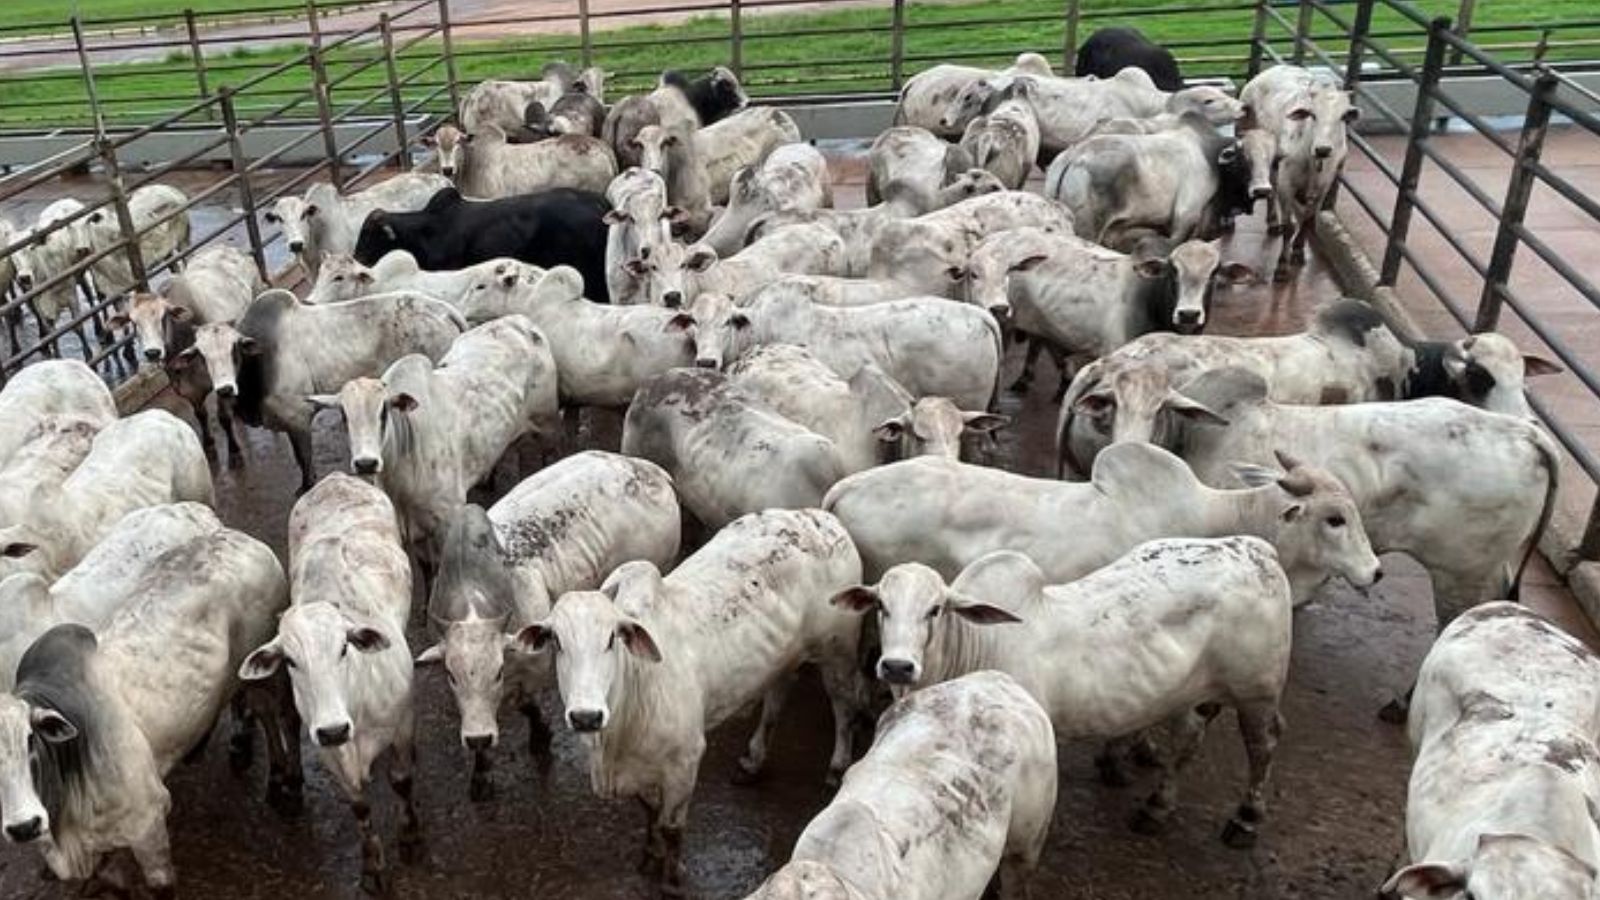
[1552, 464]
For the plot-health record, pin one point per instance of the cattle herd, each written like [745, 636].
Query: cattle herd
[801, 388]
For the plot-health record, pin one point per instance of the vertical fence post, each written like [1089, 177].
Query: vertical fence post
[119, 203]
[585, 40]
[449, 56]
[1463, 27]
[1359, 29]
[1069, 41]
[196, 57]
[1302, 32]
[86, 69]
[319, 86]
[736, 38]
[241, 172]
[402, 140]
[1258, 39]
[1530, 144]
[897, 45]
[1410, 173]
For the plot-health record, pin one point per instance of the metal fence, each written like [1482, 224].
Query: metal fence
[1345, 41]
[345, 134]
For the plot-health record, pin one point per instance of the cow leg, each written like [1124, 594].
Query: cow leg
[242, 744]
[286, 778]
[1302, 232]
[1274, 219]
[569, 430]
[44, 329]
[1282, 272]
[755, 757]
[1035, 346]
[1112, 761]
[1187, 730]
[842, 681]
[202, 418]
[1261, 726]
[300, 443]
[225, 422]
[669, 830]
[539, 735]
[402, 772]
[374, 877]
[154, 856]
[1398, 710]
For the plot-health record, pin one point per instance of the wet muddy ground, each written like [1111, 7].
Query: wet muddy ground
[1337, 795]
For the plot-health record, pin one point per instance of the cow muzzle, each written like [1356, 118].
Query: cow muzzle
[478, 743]
[25, 282]
[897, 671]
[672, 299]
[333, 735]
[25, 831]
[586, 721]
[153, 354]
[1189, 319]
[447, 171]
[227, 390]
[297, 246]
[1323, 152]
[366, 465]
[708, 362]
[1260, 192]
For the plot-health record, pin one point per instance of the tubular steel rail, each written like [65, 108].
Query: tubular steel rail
[1548, 92]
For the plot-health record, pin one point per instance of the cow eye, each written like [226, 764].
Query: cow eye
[288, 662]
[934, 612]
[611, 641]
[1336, 521]
[345, 650]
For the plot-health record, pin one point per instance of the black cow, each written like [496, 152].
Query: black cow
[1110, 50]
[714, 96]
[549, 228]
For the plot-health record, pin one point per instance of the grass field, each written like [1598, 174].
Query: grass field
[845, 50]
[51, 15]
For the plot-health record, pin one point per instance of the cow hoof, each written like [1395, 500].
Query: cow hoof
[1281, 275]
[375, 882]
[481, 788]
[1395, 712]
[1148, 823]
[1238, 835]
[746, 774]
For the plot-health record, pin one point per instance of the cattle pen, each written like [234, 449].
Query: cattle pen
[1471, 203]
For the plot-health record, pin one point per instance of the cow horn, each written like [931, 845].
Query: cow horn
[1296, 484]
[1286, 462]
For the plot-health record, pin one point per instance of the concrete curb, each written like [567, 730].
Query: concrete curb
[1358, 277]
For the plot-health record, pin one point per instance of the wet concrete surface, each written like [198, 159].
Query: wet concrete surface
[1336, 800]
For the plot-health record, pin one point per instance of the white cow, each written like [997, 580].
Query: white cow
[928, 94]
[603, 353]
[51, 254]
[149, 458]
[1004, 138]
[932, 347]
[54, 448]
[47, 388]
[831, 290]
[946, 514]
[914, 158]
[484, 165]
[1467, 493]
[103, 582]
[283, 350]
[562, 529]
[162, 223]
[675, 275]
[793, 178]
[1503, 726]
[342, 278]
[728, 453]
[501, 102]
[903, 826]
[95, 723]
[430, 433]
[922, 251]
[638, 224]
[325, 221]
[648, 664]
[699, 166]
[1169, 632]
[216, 286]
[1308, 114]
[343, 643]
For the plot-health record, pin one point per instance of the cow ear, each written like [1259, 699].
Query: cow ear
[249, 347]
[679, 322]
[700, 259]
[181, 313]
[366, 639]
[403, 402]
[739, 320]
[434, 654]
[984, 422]
[677, 215]
[891, 430]
[638, 640]
[50, 725]
[1228, 153]
[183, 360]
[311, 210]
[537, 638]
[1237, 273]
[1029, 263]
[1353, 113]
[262, 662]
[1150, 268]
[861, 598]
[17, 549]
[1193, 410]
[978, 613]
[1427, 881]
[1292, 511]
[616, 217]
[320, 402]
[956, 273]
[1533, 366]
[364, 277]
[119, 321]
[1299, 114]
[636, 267]
[1099, 403]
